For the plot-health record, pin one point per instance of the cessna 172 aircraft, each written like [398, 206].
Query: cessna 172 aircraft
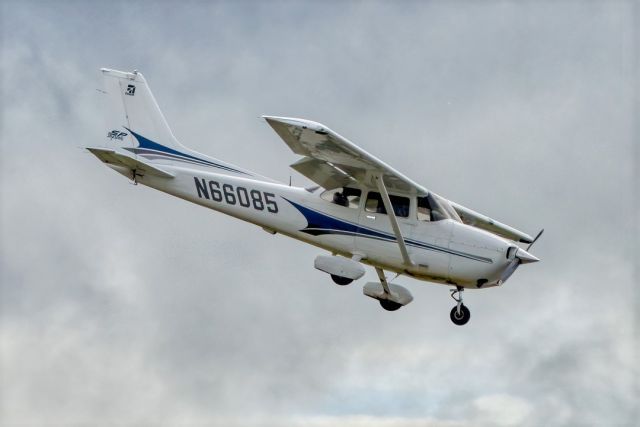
[362, 211]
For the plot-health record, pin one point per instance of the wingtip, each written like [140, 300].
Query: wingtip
[278, 118]
[294, 121]
[272, 119]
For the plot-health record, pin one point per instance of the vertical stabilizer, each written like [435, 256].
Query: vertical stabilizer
[136, 125]
[134, 110]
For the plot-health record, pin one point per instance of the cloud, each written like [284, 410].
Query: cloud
[502, 410]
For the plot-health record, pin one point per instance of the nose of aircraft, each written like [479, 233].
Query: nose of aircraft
[525, 257]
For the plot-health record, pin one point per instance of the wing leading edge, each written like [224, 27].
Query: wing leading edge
[471, 217]
[331, 161]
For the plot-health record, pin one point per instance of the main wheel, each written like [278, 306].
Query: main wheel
[389, 305]
[339, 280]
[462, 317]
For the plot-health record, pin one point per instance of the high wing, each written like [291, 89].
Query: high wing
[331, 161]
[478, 220]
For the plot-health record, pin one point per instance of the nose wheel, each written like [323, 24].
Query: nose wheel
[460, 314]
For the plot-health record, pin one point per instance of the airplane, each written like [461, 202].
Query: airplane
[361, 210]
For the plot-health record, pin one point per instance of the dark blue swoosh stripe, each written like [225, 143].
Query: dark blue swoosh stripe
[319, 223]
[147, 144]
[151, 154]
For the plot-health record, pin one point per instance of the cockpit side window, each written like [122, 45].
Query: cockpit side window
[375, 204]
[346, 196]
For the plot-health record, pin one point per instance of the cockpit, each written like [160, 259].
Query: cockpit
[429, 208]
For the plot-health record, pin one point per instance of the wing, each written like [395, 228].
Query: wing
[331, 161]
[478, 220]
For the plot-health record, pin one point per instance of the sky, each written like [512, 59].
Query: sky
[120, 305]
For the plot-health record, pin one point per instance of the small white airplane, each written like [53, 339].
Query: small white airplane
[366, 213]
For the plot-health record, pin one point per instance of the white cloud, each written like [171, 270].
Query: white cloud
[501, 410]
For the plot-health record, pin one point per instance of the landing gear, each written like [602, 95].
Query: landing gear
[460, 314]
[389, 305]
[390, 296]
[339, 280]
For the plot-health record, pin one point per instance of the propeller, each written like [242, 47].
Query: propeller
[521, 257]
[534, 240]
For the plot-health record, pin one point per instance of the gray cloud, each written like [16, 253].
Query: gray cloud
[121, 305]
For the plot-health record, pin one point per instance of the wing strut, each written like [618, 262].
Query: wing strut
[392, 218]
[383, 281]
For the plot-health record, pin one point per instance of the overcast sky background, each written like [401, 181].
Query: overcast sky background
[122, 305]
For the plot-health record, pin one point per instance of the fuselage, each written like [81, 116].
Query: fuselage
[444, 251]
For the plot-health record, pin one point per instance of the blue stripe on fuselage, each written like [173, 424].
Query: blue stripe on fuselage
[319, 223]
[147, 144]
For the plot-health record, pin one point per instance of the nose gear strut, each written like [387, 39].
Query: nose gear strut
[460, 314]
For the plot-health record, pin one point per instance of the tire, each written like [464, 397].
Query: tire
[389, 305]
[339, 280]
[460, 318]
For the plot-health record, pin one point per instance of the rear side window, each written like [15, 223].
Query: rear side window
[347, 197]
[424, 209]
[375, 204]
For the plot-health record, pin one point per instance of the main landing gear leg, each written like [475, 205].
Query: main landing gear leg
[385, 303]
[460, 314]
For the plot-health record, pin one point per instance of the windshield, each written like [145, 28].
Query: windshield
[434, 208]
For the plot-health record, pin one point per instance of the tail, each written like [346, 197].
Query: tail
[136, 124]
[134, 111]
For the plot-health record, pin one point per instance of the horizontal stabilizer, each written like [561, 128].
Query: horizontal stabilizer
[111, 157]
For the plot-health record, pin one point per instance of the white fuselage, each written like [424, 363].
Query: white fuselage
[445, 251]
